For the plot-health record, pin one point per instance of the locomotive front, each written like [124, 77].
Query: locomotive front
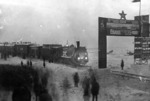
[80, 56]
[77, 55]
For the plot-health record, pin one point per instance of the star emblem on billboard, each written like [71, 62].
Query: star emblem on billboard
[122, 15]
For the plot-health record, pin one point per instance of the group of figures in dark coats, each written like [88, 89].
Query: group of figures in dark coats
[29, 63]
[89, 85]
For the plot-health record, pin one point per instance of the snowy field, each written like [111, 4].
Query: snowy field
[113, 88]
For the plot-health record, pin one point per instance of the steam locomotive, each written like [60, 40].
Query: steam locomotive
[76, 56]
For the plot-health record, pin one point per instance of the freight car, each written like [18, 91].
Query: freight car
[15, 49]
[51, 52]
[35, 51]
[57, 53]
[6, 50]
[21, 50]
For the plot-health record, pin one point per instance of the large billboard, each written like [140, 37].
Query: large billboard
[141, 49]
[142, 18]
[144, 24]
[120, 27]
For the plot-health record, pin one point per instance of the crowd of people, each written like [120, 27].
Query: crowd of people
[90, 87]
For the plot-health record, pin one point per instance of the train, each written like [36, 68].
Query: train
[55, 53]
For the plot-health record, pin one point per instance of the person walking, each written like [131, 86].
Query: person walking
[76, 79]
[21, 63]
[95, 89]
[21, 93]
[30, 63]
[122, 64]
[86, 89]
[45, 96]
[44, 63]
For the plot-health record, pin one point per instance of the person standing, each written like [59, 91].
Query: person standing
[95, 89]
[76, 79]
[122, 64]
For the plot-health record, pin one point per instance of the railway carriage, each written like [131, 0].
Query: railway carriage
[22, 49]
[35, 51]
[57, 53]
[51, 52]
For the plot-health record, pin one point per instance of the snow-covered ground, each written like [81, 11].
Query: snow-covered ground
[113, 88]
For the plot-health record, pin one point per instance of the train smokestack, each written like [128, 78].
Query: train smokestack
[78, 44]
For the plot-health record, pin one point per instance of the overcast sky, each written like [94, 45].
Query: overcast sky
[56, 21]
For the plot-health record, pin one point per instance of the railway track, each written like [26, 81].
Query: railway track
[130, 75]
